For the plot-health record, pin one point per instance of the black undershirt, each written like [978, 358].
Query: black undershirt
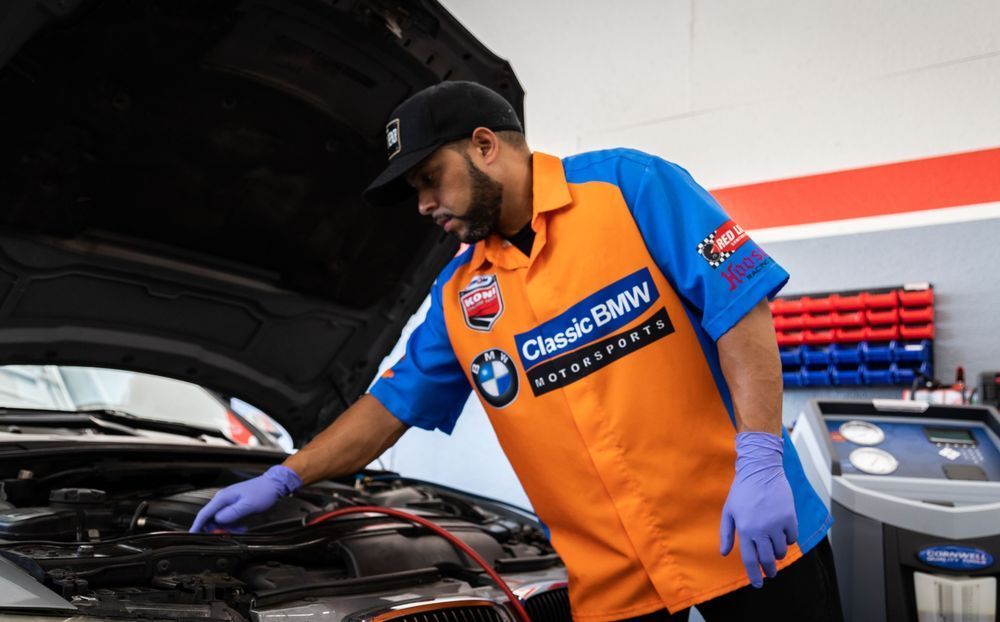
[523, 239]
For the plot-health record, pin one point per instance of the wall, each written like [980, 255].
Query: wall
[754, 91]
[961, 259]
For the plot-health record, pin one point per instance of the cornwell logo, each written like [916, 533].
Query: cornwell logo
[576, 343]
[747, 268]
[481, 302]
[956, 557]
[719, 245]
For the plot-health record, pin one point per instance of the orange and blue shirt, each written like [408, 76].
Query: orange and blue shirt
[595, 359]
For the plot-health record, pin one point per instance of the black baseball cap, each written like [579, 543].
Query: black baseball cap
[435, 116]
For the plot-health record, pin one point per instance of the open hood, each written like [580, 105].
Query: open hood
[180, 189]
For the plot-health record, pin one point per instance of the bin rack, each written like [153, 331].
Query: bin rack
[864, 337]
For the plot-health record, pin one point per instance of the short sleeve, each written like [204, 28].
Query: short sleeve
[427, 387]
[710, 260]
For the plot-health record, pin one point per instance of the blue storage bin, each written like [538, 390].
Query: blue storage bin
[791, 355]
[792, 379]
[847, 375]
[877, 374]
[816, 377]
[905, 373]
[877, 352]
[841, 353]
[815, 355]
[913, 351]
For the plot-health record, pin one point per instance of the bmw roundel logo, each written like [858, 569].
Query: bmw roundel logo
[495, 377]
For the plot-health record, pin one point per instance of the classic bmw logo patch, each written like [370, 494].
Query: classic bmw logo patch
[481, 302]
[495, 377]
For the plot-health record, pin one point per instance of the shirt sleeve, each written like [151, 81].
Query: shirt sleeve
[709, 259]
[426, 388]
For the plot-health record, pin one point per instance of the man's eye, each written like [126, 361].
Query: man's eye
[427, 179]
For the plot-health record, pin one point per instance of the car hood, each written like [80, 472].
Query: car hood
[180, 189]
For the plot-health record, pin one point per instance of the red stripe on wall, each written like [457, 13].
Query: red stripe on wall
[932, 183]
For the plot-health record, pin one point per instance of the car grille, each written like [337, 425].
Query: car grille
[450, 614]
[455, 614]
[551, 606]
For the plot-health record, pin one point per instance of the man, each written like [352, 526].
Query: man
[613, 322]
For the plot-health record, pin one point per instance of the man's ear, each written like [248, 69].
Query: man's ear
[486, 143]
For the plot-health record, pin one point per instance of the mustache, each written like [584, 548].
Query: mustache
[466, 218]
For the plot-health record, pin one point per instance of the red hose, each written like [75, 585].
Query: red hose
[444, 533]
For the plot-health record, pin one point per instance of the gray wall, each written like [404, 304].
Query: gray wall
[961, 261]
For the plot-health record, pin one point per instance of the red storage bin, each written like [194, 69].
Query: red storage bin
[818, 336]
[881, 317]
[848, 303]
[818, 305]
[824, 320]
[789, 322]
[850, 335]
[783, 306]
[790, 337]
[916, 315]
[794, 306]
[880, 301]
[849, 318]
[917, 331]
[916, 298]
[881, 333]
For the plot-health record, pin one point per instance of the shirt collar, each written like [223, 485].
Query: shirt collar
[549, 191]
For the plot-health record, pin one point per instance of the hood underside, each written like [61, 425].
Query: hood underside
[180, 189]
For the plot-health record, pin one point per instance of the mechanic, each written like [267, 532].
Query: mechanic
[613, 322]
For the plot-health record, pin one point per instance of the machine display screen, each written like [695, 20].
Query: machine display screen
[950, 435]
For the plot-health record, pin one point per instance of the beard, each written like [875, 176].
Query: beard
[483, 214]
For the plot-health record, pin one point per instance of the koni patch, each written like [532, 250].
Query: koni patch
[719, 245]
[481, 302]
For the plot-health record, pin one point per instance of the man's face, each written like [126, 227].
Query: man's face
[459, 196]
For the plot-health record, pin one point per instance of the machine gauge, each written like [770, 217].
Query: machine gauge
[874, 461]
[862, 432]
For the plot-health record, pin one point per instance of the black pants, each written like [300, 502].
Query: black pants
[806, 590]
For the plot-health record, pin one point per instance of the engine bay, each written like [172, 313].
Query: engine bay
[111, 538]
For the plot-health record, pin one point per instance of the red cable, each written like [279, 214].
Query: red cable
[444, 533]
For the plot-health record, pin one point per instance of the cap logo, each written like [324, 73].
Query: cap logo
[392, 142]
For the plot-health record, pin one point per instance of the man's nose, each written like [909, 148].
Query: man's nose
[426, 204]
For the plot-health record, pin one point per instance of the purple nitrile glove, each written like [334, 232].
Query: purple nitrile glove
[236, 502]
[760, 507]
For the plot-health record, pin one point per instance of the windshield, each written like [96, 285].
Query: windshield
[56, 387]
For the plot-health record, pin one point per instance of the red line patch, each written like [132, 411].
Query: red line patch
[720, 244]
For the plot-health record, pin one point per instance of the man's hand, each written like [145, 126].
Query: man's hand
[760, 507]
[236, 502]
[355, 438]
